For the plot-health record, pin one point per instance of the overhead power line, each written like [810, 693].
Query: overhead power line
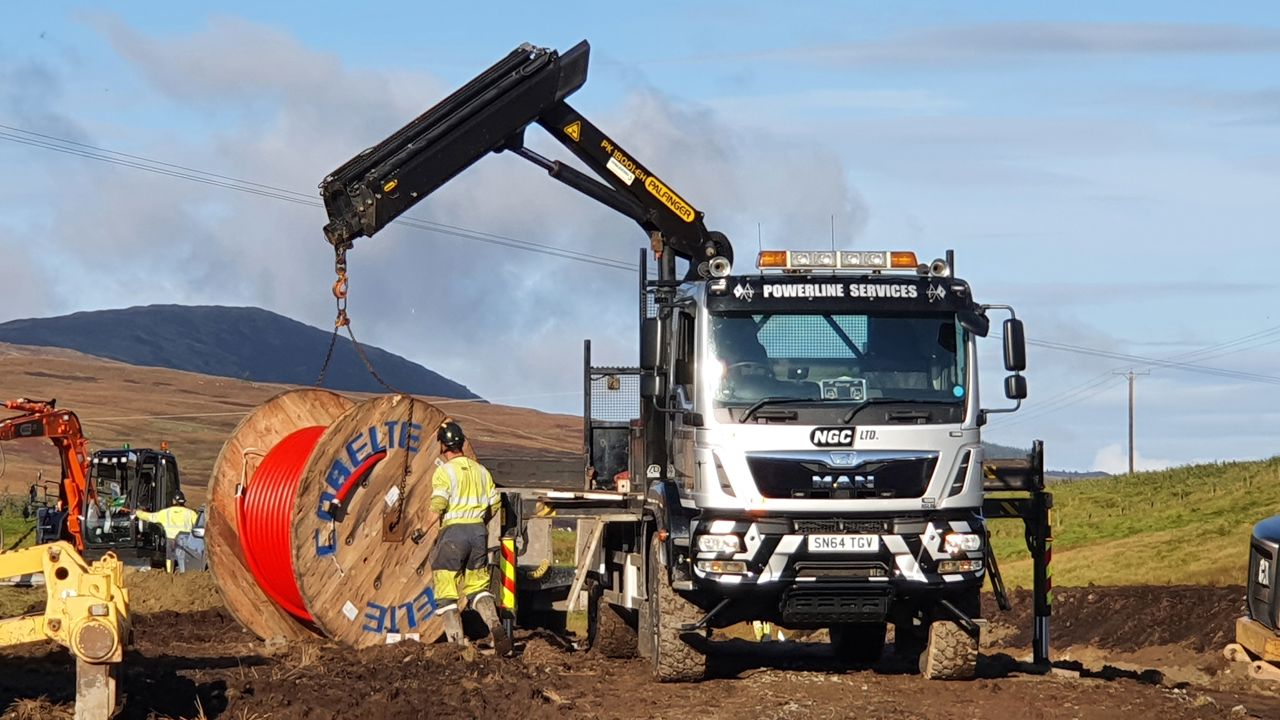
[158, 167]
[1062, 401]
[53, 143]
[1156, 362]
[1098, 384]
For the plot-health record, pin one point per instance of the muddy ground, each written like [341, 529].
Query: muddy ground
[1121, 653]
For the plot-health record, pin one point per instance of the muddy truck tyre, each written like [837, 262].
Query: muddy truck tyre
[860, 643]
[674, 659]
[951, 653]
[608, 631]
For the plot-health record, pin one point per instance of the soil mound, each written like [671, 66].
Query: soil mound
[396, 682]
[1196, 617]
[156, 590]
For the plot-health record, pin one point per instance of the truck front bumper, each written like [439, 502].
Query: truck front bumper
[786, 568]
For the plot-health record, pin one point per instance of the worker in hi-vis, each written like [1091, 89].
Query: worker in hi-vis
[175, 519]
[463, 498]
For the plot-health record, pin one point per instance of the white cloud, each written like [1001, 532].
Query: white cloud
[502, 321]
[1114, 459]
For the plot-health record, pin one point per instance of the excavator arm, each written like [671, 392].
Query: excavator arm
[490, 114]
[41, 418]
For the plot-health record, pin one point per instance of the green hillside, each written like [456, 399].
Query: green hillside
[1183, 525]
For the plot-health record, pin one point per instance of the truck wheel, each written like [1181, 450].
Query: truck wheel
[674, 660]
[608, 631]
[861, 643]
[951, 654]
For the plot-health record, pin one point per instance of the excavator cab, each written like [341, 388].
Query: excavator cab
[123, 481]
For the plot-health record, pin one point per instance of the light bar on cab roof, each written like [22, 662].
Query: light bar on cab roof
[836, 259]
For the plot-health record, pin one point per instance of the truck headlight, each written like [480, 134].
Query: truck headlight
[719, 543]
[962, 542]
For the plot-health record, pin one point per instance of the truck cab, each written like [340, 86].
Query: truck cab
[825, 451]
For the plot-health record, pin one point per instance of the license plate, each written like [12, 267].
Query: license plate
[844, 543]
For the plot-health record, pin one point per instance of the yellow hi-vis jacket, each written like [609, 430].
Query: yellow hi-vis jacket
[175, 519]
[463, 490]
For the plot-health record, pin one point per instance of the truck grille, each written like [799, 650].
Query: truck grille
[900, 477]
[837, 525]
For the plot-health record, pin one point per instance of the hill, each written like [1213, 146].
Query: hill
[195, 414]
[996, 451]
[236, 342]
[1184, 525]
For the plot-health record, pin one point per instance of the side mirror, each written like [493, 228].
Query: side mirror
[650, 386]
[1015, 387]
[1015, 346]
[650, 344]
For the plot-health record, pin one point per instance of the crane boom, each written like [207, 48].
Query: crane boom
[490, 114]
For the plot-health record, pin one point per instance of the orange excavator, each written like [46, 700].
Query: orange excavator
[86, 605]
[41, 418]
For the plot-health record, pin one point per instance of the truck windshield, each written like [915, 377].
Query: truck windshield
[832, 357]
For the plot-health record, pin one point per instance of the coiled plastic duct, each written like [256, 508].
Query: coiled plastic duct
[266, 519]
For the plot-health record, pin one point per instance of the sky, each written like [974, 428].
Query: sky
[1111, 170]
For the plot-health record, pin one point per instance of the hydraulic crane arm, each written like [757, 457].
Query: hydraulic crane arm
[490, 114]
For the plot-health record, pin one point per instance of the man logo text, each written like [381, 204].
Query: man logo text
[844, 482]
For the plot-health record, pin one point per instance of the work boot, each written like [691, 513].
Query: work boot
[483, 604]
[452, 624]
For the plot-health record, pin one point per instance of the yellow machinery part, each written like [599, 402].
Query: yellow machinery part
[86, 611]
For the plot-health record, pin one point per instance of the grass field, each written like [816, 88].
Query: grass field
[16, 531]
[1184, 525]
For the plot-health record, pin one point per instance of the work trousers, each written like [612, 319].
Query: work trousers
[461, 554]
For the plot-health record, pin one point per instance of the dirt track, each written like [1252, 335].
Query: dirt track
[1139, 652]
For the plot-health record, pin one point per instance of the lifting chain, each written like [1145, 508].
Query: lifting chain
[393, 529]
[344, 321]
[340, 297]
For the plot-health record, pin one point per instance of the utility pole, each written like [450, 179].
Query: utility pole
[1131, 375]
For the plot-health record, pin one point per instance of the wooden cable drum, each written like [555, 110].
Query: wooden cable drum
[237, 463]
[364, 575]
[318, 518]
